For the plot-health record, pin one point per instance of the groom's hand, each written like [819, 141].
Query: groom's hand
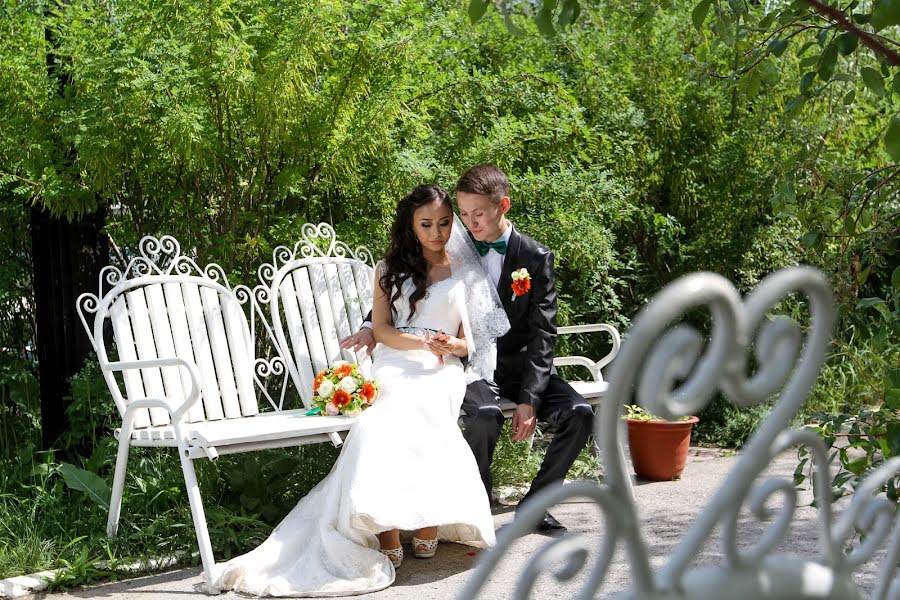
[523, 422]
[364, 338]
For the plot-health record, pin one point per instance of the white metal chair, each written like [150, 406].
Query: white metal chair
[183, 371]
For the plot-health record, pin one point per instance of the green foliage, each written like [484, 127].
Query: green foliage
[724, 424]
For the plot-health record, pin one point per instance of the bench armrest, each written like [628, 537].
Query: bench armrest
[176, 412]
[582, 361]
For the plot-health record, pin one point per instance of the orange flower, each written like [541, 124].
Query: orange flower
[343, 371]
[340, 398]
[521, 286]
[367, 391]
[318, 380]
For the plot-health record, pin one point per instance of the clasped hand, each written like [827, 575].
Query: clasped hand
[440, 344]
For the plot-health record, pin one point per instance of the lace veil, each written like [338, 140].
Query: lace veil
[484, 319]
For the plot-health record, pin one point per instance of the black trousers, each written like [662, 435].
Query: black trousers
[563, 411]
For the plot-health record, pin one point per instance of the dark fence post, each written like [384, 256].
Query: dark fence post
[67, 258]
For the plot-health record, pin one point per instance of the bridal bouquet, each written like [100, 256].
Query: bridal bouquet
[343, 389]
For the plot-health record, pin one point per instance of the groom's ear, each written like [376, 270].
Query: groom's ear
[504, 205]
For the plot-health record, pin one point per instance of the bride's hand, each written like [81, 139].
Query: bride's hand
[440, 344]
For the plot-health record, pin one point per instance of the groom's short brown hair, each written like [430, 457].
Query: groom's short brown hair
[484, 180]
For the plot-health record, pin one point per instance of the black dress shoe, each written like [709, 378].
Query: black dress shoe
[549, 523]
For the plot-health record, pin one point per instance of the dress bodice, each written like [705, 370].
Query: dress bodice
[440, 308]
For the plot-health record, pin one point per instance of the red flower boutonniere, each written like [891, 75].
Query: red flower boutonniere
[521, 283]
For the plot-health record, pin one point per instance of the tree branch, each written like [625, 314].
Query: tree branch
[866, 38]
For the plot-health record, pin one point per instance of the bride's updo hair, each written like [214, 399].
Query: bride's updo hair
[404, 258]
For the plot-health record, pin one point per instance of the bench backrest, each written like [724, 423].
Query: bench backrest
[318, 292]
[163, 305]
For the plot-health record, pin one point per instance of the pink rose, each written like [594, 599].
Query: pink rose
[331, 410]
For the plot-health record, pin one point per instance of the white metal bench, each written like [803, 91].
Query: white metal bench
[320, 290]
[183, 371]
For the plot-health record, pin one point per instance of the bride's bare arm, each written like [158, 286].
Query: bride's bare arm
[383, 321]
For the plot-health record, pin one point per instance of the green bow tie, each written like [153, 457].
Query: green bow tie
[485, 247]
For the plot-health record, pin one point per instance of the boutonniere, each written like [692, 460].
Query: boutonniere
[521, 283]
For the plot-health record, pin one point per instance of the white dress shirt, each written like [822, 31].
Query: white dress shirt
[493, 260]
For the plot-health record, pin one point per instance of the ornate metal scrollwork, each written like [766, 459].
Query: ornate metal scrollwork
[673, 370]
[310, 246]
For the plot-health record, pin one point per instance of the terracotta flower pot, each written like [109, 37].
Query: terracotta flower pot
[659, 448]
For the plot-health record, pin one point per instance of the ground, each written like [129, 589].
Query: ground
[666, 510]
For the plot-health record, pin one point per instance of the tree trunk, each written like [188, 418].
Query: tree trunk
[67, 258]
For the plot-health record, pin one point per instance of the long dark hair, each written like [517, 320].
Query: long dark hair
[404, 258]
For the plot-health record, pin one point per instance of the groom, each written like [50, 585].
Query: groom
[522, 271]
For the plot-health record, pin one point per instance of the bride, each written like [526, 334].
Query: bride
[404, 465]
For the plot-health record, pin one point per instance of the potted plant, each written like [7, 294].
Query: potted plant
[658, 447]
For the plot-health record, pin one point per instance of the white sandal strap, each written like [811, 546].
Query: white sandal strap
[421, 546]
[395, 555]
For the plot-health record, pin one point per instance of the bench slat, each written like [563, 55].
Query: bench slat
[309, 321]
[134, 387]
[364, 279]
[247, 430]
[212, 401]
[351, 304]
[296, 336]
[175, 303]
[326, 331]
[339, 309]
[215, 326]
[242, 354]
[162, 335]
[146, 349]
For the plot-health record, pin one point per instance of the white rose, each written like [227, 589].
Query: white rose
[347, 384]
[353, 413]
[331, 409]
[326, 388]
[339, 363]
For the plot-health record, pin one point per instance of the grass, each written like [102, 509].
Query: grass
[45, 525]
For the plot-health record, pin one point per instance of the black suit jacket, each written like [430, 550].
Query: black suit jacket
[525, 353]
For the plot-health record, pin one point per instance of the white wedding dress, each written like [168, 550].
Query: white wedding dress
[403, 465]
